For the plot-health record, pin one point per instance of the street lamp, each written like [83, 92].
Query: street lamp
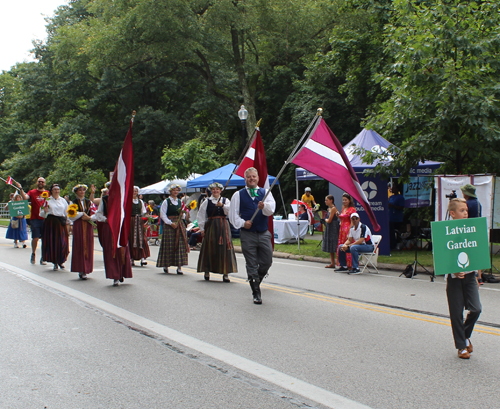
[243, 115]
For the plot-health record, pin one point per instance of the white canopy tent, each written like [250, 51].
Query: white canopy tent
[160, 187]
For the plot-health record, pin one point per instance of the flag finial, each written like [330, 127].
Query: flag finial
[320, 111]
[258, 123]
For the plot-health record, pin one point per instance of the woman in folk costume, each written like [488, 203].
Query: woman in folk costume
[137, 243]
[82, 257]
[55, 243]
[217, 251]
[21, 231]
[174, 245]
[116, 264]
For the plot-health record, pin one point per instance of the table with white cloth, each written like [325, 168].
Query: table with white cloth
[285, 231]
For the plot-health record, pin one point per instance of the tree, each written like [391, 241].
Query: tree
[444, 85]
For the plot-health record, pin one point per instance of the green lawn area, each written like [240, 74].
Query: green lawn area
[312, 248]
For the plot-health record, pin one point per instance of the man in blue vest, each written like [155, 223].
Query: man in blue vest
[255, 237]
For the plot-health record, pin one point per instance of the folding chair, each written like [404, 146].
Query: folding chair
[369, 257]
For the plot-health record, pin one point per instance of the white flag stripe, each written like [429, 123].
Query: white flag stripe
[325, 152]
[122, 177]
[360, 191]
[251, 153]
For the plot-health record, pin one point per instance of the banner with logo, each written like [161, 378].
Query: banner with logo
[418, 191]
[460, 245]
[376, 192]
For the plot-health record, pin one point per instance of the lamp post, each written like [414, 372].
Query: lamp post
[243, 115]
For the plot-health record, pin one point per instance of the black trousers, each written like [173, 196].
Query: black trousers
[463, 294]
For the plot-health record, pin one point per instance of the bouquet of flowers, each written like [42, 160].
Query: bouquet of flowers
[73, 210]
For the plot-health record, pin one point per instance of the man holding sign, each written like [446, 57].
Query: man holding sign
[458, 249]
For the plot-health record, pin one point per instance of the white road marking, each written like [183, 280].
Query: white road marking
[295, 385]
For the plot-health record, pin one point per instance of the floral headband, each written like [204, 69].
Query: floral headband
[78, 187]
[216, 184]
[174, 186]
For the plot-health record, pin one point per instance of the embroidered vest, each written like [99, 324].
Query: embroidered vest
[213, 210]
[173, 210]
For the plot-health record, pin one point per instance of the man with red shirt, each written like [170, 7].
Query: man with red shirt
[36, 201]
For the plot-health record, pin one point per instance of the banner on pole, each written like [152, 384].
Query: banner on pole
[417, 192]
[460, 245]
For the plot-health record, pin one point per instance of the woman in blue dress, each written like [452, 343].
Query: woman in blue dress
[20, 233]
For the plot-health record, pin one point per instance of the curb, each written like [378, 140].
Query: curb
[382, 266]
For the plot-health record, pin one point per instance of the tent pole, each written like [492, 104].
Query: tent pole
[298, 220]
[282, 200]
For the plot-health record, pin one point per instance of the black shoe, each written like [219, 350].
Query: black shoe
[207, 276]
[121, 280]
[354, 271]
[32, 259]
[255, 286]
[165, 270]
[226, 279]
[144, 263]
[341, 269]
[179, 271]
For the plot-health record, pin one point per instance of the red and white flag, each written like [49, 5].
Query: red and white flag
[121, 192]
[323, 155]
[256, 158]
[9, 181]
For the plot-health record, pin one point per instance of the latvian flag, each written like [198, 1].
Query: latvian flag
[10, 181]
[121, 192]
[323, 155]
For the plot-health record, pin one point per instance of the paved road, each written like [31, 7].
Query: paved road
[321, 339]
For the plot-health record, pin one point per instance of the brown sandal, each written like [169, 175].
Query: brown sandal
[330, 266]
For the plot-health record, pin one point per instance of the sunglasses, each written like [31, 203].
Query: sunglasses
[354, 218]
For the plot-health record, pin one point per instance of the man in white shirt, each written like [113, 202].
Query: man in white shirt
[358, 241]
[255, 237]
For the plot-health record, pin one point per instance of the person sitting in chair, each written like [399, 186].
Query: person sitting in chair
[358, 241]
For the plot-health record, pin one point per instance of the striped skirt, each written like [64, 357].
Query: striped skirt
[174, 246]
[217, 251]
[118, 265]
[82, 257]
[55, 243]
[137, 242]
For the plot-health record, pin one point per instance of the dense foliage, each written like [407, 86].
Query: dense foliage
[424, 74]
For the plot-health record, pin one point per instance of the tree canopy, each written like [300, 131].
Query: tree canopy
[424, 74]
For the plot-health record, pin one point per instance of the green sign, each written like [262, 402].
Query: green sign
[19, 208]
[460, 245]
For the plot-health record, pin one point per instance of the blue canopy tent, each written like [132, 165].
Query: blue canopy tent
[221, 175]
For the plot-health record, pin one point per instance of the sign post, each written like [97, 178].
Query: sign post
[460, 245]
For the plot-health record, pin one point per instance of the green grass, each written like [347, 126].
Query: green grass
[310, 248]
[4, 222]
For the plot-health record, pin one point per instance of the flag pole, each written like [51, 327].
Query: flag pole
[15, 187]
[243, 153]
[316, 118]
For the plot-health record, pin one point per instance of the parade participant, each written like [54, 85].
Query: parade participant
[82, 257]
[255, 236]
[345, 222]
[174, 246]
[36, 221]
[217, 251]
[462, 293]
[358, 241]
[17, 229]
[331, 234]
[116, 264]
[137, 243]
[55, 241]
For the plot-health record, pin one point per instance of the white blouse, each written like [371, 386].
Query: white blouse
[164, 207]
[202, 213]
[56, 207]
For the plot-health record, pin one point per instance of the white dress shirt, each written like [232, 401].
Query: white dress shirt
[164, 207]
[234, 209]
[202, 213]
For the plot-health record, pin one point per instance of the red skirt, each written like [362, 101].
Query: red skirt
[82, 259]
[55, 244]
[116, 266]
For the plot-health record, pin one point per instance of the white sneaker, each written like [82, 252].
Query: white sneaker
[82, 276]
[116, 283]
[16, 246]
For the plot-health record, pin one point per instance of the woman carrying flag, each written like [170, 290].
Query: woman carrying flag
[217, 251]
[174, 245]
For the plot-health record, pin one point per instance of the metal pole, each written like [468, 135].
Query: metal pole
[316, 119]
[298, 221]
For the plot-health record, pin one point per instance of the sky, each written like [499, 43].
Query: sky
[22, 22]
